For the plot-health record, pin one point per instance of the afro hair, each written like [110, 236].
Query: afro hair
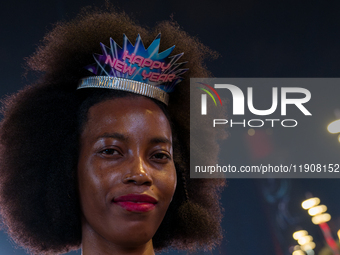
[39, 140]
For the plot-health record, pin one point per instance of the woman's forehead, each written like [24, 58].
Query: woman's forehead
[127, 116]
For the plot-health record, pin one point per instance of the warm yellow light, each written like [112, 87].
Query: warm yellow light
[317, 210]
[339, 234]
[334, 127]
[308, 246]
[299, 252]
[298, 234]
[309, 203]
[251, 132]
[305, 239]
[321, 218]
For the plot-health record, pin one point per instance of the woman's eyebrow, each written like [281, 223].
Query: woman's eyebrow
[117, 136]
[160, 140]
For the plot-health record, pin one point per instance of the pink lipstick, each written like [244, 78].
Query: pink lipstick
[136, 202]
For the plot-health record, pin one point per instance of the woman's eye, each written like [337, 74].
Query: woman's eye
[163, 157]
[109, 152]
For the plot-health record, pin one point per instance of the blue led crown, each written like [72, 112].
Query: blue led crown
[136, 69]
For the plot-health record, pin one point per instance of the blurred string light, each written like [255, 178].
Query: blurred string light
[317, 210]
[320, 217]
[298, 252]
[334, 127]
[305, 240]
[306, 244]
[309, 203]
[299, 234]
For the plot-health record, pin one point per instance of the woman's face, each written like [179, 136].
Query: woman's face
[126, 173]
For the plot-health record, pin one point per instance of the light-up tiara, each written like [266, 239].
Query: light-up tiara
[136, 69]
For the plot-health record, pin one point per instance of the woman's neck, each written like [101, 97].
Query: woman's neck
[94, 244]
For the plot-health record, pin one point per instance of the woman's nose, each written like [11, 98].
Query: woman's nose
[138, 174]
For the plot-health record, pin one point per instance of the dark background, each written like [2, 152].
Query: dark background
[255, 39]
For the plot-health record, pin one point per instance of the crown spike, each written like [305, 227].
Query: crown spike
[136, 69]
[154, 46]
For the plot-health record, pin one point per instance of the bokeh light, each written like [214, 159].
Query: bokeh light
[317, 210]
[334, 127]
[308, 246]
[309, 203]
[322, 218]
[305, 240]
[298, 234]
[251, 132]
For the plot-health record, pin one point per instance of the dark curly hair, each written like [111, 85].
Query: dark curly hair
[39, 136]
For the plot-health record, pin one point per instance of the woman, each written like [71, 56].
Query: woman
[103, 168]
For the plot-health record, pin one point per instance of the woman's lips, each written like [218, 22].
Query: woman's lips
[136, 202]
